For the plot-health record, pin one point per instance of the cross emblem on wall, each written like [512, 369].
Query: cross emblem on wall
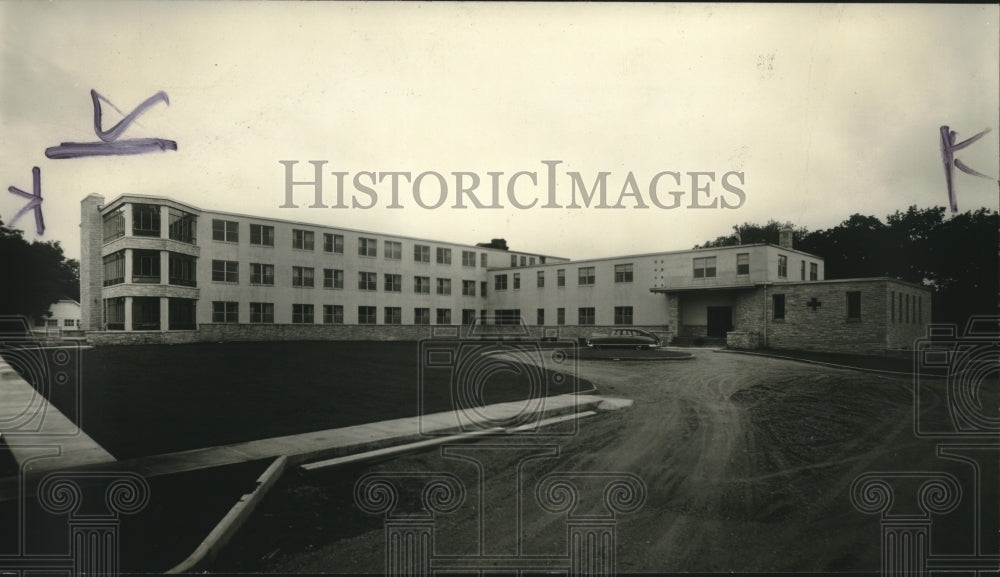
[814, 304]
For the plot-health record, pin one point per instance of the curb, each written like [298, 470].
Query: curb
[237, 516]
[824, 364]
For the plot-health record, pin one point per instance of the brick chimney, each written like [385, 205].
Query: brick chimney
[91, 264]
[785, 237]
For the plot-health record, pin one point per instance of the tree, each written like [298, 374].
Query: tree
[34, 275]
[751, 233]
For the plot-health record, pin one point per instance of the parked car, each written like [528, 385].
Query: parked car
[629, 338]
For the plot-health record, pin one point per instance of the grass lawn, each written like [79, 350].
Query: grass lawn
[147, 400]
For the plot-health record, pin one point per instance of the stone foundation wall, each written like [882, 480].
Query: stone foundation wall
[101, 338]
[329, 332]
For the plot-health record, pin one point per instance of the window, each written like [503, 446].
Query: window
[261, 312]
[513, 260]
[523, 261]
[482, 316]
[500, 282]
[114, 224]
[225, 230]
[333, 314]
[114, 314]
[183, 225]
[181, 270]
[892, 307]
[483, 285]
[302, 276]
[444, 316]
[366, 316]
[225, 312]
[393, 315]
[261, 235]
[302, 239]
[367, 281]
[468, 258]
[469, 315]
[367, 247]
[393, 283]
[146, 313]
[743, 263]
[540, 279]
[561, 277]
[145, 220]
[482, 259]
[623, 315]
[507, 316]
[443, 255]
[907, 309]
[333, 243]
[114, 268]
[623, 272]
[262, 274]
[704, 267]
[517, 281]
[52, 322]
[469, 288]
[180, 314]
[778, 307]
[782, 266]
[802, 270]
[333, 278]
[854, 305]
[421, 253]
[813, 271]
[560, 316]
[585, 315]
[69, 323]
[225, 271]
[302, 314]
[145, 266]
[540, 317]
[585, 275]
[393, 250]
[444, 286]
[920, 309]
[531, 261]
[421, 316]
[422, 285]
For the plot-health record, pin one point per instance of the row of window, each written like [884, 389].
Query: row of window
[146, 268]
[585, 277]
[705, 267]
[304, 277]
[181, 226]
[910, 308]
[229, 312]
[263, 235]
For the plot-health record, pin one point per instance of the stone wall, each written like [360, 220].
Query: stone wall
[826, 327]
[91, 263]
[99, 338]
[339, 332]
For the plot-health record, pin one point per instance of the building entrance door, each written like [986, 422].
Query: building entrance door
[720, 321]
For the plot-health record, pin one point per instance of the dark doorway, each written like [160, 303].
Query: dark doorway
[720, 321]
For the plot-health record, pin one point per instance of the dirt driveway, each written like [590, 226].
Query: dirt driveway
[746, 463]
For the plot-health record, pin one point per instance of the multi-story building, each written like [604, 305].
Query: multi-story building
[156, 270]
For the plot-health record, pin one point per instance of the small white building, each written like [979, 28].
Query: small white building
[64, 315]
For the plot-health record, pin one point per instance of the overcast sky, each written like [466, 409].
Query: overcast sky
[826, 110]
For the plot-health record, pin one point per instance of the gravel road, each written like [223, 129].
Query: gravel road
[746, 463]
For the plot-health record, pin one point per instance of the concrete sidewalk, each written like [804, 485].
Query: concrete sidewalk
[349, 440]
[39, 436]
